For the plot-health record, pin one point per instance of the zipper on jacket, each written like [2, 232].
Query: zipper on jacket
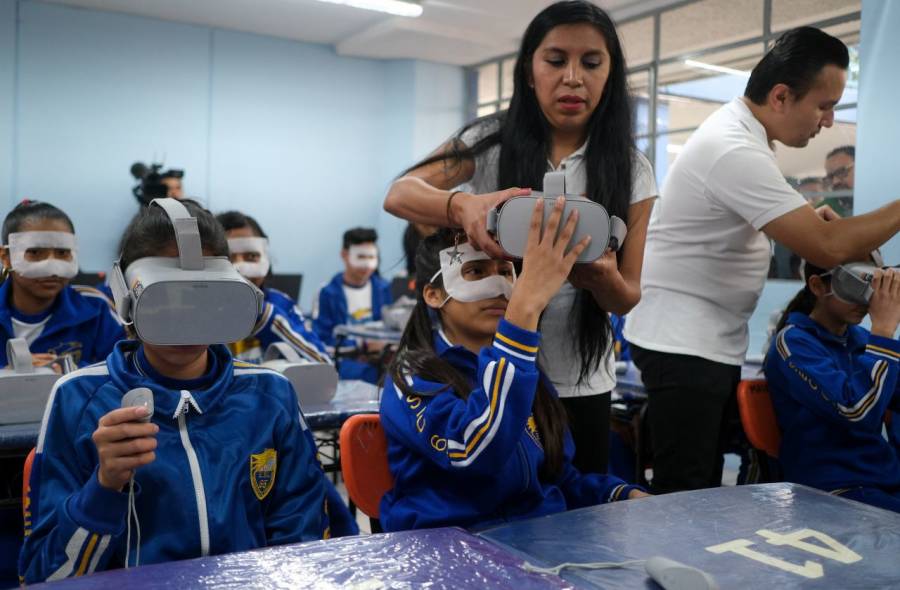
[184, 406]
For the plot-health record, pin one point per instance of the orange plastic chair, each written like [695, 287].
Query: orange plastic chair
[26, 478]
[758, 416]
[364, 462]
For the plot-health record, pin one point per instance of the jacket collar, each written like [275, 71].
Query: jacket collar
[69, 309]
[126, 375]
[457, 355]
[855, 338]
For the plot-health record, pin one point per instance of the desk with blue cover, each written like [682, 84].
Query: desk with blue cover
[352, 397]
[736, 534]
[373, 331]
[436, 558]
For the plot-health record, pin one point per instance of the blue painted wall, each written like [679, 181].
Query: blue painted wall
[301, 138]
[878, 131]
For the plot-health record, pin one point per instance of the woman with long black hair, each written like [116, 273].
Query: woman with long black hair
[570, 111]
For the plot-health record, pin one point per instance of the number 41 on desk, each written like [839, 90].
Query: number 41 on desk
[830, 549]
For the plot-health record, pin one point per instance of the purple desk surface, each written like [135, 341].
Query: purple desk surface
[436, 558]
[770, 537]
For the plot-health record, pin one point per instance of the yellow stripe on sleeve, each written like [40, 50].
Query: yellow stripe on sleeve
[86, 558]
[494, 396]
[513, 343]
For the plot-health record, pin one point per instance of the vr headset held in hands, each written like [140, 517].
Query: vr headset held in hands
[188, 300]
[852, 282]
[510, 222]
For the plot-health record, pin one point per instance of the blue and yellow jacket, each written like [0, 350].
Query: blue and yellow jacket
[830, 395]
[476, 462]
[82, 324]
[331, 306]
[235, 469]
[281, 321]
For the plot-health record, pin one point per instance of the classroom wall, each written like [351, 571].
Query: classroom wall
[305, 140]
[877, 143]
[878, 132]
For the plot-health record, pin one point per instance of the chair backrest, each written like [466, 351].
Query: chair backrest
[364, 462]
[758, 416]
[26, 478]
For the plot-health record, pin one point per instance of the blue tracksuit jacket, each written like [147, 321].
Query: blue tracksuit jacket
[235, 469]
[331, 305]
[830, 395]
[475, 462]
[281, 321]
[82, 324]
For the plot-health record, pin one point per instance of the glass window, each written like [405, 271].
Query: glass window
[637, 41]
[486, 110]
[508, 67]
[488, 82]
[787, 14]
[707, 23]
[639, 85]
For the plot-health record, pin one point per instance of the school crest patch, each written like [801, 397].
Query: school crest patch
[262, 472]
[531, 427]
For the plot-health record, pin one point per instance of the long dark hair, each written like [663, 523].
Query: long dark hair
[805, 300]
[525, 143]
[416, 356]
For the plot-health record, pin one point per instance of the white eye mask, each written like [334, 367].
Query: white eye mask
[21, 242]
[251, 270]
[363, 257]
[452, 261]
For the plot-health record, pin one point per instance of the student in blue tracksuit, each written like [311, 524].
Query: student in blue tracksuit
[353, 296]
[36, 301]
[281, 320]
[476, 434]
[831, 383]
[226, 463]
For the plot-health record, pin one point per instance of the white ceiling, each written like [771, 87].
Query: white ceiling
[459, 32]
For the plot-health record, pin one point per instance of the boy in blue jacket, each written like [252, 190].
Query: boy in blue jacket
[226, 463]
[476, 434]
[831, 383]
[40, 256]
[281, 320]
[354, 296]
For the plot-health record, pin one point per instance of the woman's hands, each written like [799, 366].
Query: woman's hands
[470, 213]
[123, 444]
[884, 307]
[545, 266]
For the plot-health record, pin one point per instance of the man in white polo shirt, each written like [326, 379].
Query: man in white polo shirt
[708, 251]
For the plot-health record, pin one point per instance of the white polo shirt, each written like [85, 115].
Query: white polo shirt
[706, 260]
[558, 354]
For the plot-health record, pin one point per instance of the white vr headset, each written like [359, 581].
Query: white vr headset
[852, 282]
[314, 383]
[188, 300]
[510, 222]
[25, 388]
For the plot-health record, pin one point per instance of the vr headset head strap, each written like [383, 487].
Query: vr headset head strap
[282, 350]
[187, 233]
[19, 356]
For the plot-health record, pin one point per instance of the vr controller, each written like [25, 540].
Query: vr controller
[510, 222]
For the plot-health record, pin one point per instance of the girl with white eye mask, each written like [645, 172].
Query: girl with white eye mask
[476, 433]
[281, 320]
[40, 256]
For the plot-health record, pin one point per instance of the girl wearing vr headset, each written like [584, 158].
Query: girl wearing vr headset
[570, 111]
[832, 382]
[476, 434]
[281, 320]
[40, 256]
[224, 463]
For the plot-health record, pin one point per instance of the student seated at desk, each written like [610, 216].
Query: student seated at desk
[476, 434]
[40, 255]
[353, 296]
[226, 463]
[281, 320]
[831, 383]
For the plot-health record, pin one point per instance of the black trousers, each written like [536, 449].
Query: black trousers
[589, 425]
[692, 415]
